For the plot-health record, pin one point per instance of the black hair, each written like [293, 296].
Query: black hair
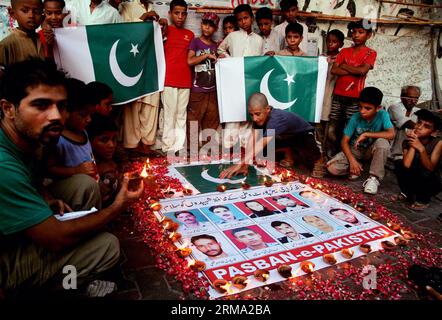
[295, 28]
[361, 24]
[338, 34]
[78, 99]
[176, 214]
[98, 91]
[264, 13]
[19, 77]
[61, 2]
[232, 20]
[427, 115]
[99, 125]
[177, 3]
[218, 206]
[275, 224]
[371, 95]
[285, 5]
[15, 2]
[243, 8]
[202, 236]
[241, 229]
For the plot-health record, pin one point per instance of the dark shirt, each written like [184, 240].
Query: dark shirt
[284, 123]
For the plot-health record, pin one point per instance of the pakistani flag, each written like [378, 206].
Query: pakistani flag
[128, 57]
[295, 84]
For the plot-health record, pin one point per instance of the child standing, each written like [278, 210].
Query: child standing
[229, 25]
[351, 67]
[241, 43]
[366, 137]
[53, 12]
[101, 95]
[72, 163]
[23, 42]
[264, 19]
[289, 10]
[293, 38]
[203, 106]
[175, 96]
[419, 174]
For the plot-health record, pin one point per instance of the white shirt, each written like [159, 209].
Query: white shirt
[241, 44]
[103, 13]
[271, 43]
[280, 30]
[398, 117]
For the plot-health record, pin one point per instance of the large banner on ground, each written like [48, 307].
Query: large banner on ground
[129, 57]
[248, 233]
[295, 84]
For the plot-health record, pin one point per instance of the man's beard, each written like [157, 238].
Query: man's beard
[26, 135]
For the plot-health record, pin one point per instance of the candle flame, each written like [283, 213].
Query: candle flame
[172, 234]
[191, 262]
[144, 172]
[226, 287]
[265, 276]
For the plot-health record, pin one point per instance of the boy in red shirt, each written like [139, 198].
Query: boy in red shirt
[351, 67]
[175, 96]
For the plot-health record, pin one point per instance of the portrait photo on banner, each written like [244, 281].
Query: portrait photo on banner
[320, 224]
[287, 203]
[226, 215]
[257, 208]
[288, 232]
[350, 218]
[314, 198]
[214, 249]
[191, 221]
[253, 241]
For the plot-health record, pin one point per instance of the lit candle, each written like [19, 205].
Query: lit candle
[400, 241]
[268, 182]
[262, 275]
[134, 180]
[221, 285]
[187, 191]
[168, 193]
[245, 185]
[307, 266]
[175, 236]
[221, 188]
[366, 248]
[156, 206]
[329, 258]
[347, 253]
[394, 226]
[240, 282]
[184, 252]
[197, 265]
[285, 271]
[375, 216]
[408, 235]
[388, 245]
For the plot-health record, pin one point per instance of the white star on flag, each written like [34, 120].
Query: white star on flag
[134, 49]
[289, 79]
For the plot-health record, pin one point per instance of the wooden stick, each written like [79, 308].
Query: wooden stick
[412, 4]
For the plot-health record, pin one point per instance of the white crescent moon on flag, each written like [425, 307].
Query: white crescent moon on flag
[264, 88]
[205, 175]
[118, 74]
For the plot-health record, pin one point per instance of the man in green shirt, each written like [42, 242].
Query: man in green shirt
[34, 245]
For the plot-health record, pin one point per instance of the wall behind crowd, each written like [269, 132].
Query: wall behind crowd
[404, 56]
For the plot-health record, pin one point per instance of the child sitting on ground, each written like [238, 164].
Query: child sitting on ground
[72, 164]
[103, 133]
[366, 136]
[419, 174]
[101, 96]
[293, 38]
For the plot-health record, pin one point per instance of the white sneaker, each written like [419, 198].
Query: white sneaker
[371, 185]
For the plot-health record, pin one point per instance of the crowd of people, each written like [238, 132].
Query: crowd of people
[72, 129]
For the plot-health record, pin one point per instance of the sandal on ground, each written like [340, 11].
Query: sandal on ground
[398, 197]
[288, 164]
[417, 206]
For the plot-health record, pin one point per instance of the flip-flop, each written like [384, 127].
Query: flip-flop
[417, 206]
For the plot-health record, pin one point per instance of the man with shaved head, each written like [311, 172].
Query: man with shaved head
[293, 135]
